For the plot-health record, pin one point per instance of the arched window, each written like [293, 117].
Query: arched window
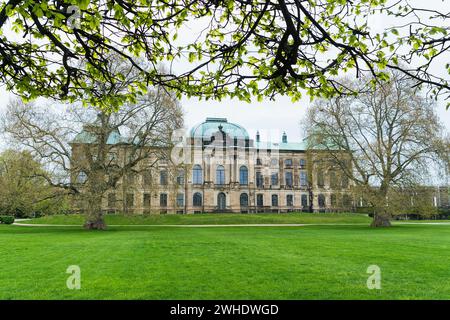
[260, 200]
[274, 200]
[197, 199]
[221, 201]
[197, 175]
[244, 200]
[243, 175]
[220, 175]
[321, 200]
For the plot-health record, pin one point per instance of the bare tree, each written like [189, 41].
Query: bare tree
[89, 162]
[388, 135]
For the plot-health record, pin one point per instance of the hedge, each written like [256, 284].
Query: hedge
[7, 219]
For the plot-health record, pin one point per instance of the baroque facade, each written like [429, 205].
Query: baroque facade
[217, 167]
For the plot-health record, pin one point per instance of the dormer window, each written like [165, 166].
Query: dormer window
[82, 177]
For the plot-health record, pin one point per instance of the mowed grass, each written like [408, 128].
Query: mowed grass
[310, 262]
[202, 219]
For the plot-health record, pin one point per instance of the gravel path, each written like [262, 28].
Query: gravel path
[225, 225]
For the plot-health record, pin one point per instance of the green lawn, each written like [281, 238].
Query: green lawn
[311, 262]
[189, 219]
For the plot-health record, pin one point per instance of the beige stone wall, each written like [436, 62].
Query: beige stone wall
[231, 159]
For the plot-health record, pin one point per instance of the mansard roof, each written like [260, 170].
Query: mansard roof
[88, 137]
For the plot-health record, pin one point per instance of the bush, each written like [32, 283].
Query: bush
[7, 219]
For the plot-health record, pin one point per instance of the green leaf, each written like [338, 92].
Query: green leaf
[83, 4]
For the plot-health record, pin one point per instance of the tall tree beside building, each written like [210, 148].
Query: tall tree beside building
[390, 133]
[104, 150]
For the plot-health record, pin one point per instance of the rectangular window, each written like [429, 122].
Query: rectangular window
[288, 176]
[130, 178]
[163, 177]
[180, 177]
[147, 178]
[302, 163]
[147, 200]
[259, 180]
[180, 200]
[333, 200]
[243, 175]
[112, 200]
[274, 200]
[274, 179]
[288, 162]
[344, 182]
[303, 179]
[197, 175]
[304, 200]
[333, 179]
[129, 200]
[163, 200]
[289, 200]
[220, 175]
[320, 179]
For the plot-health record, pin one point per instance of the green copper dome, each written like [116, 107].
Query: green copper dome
[212, 125]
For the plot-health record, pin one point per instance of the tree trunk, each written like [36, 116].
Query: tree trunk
[94, 214]
[381, 215]
[98, 224]
[380, 220]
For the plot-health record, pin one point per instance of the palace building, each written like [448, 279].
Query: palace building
[218, 167]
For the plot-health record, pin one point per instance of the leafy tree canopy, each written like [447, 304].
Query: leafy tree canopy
[232, 48]
[23, 191]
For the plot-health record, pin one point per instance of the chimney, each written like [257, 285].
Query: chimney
[257, 136]
[284, 138]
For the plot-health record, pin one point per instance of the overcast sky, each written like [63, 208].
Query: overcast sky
[276, 116]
